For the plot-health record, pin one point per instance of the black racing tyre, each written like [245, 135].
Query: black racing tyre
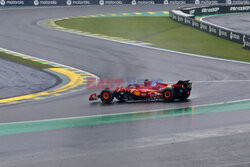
[106, 96]
[185, 95]
[168, 94]
[120, 98]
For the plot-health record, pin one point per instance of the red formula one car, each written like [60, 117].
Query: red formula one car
[148, 91]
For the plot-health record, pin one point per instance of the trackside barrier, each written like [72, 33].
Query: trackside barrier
[115, 2]
[184, 15]
[247, 43]
[187, 16]
[110, 2]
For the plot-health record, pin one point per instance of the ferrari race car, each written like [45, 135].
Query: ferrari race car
[148, 91]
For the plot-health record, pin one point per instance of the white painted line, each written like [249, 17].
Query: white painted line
[221, 81]
[201, 19]
[62, 93]
[49, 61]
[242, 164]
[124, 113]
[238, 101]
[195, 55]
[151, 47]
[215, 81]
[100, 115]
[109, 38]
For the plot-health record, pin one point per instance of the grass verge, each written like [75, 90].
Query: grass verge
[162, 32]
[24, 61]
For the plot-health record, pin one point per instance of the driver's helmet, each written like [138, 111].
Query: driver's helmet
[146, 82]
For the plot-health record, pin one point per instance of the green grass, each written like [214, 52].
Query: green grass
[163, 33]
[24, 61]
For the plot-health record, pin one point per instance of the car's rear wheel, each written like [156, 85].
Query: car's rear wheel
[185, 95]
[106, 96]
[168, 94]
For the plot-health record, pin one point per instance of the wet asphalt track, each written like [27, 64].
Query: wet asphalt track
[108, 145]
[232, 21]
[17, 79]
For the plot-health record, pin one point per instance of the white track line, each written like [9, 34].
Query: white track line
[201, 19]
[159, 49]
[48, 61]
[124, 113]
[195, 55]
[151, 47]
[65, 93]
[221, 81]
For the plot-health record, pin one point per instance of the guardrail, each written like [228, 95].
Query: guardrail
[187, 16]
[247, 43]
[114, 2]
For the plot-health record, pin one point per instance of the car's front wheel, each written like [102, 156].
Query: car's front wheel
[106, 96]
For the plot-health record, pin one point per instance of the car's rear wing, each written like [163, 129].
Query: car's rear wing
[183, 82]
[186, 84]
